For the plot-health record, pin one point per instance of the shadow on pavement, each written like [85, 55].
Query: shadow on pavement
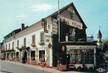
[5, 71]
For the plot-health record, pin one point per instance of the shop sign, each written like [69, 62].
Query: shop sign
[72, 23]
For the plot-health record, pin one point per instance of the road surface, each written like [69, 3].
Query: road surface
[7, 67]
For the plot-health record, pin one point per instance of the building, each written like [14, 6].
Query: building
[1, 45]
[45, 42]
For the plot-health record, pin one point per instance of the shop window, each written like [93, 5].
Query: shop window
[81, 56]
[78, 56]
[87, 56]
[72, 56]
[90, 56]
[75, 56]
[84, 56]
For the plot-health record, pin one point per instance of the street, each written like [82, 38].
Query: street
[15, 67]
[7, 67]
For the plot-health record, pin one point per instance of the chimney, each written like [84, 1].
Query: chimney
[22, 26]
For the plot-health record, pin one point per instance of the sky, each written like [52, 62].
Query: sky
[14, 12]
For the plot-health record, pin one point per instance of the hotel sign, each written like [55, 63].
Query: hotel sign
[54, 26]
[72, 22]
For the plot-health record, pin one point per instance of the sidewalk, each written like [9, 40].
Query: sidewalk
[51, 70]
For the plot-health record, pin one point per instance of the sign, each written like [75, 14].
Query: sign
[72, 23]
[54, 26]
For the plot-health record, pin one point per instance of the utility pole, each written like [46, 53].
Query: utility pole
[58, 18]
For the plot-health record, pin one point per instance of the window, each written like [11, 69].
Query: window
[87, 56]
[12, 45]
[72, 56]
[75, 56]
[6, 46]
[33, 40]
[90, 56]
[24, 41]
[72, 34]
[9, 45]
[45, 25]
[17, 43]
[42, 37]
[81, 56]
[71, 15]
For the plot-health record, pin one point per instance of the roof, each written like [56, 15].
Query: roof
[61, 10]
[13, 32]
[71, 4]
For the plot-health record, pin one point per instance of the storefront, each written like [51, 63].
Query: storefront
[9, 54]
[78, 54]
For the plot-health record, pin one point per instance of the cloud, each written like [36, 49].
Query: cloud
[22, 16]
[41, 7]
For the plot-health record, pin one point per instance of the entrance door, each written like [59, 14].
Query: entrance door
[32, 55]
[42, 55]
[24, 57]
[17, 56]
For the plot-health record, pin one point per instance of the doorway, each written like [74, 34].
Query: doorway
[24, 57]
[32, 55]
[42, 55]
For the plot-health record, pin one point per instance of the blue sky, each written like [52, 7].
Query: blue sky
[15, 12]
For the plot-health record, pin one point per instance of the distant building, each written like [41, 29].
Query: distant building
[99, 40]
[90, 38]
[1, 45]
[39, 42]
